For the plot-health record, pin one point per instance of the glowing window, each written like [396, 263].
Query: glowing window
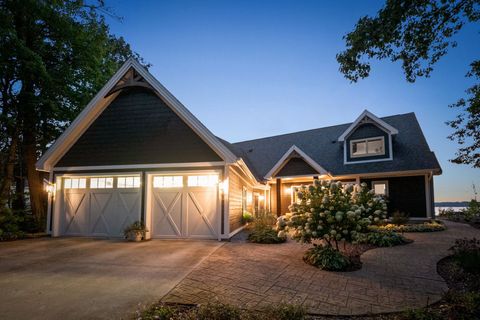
[202, 181]
[101, 183]
[128, 182]
[380, 187]
[75, 183]
[168, 182]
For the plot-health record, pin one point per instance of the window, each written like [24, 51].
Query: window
[244, 199]
[367, 147]
[101, 183]
[294, 191]
[168, 182]
[75, 183]
[128, 182]
[202, 181]
[380, 187]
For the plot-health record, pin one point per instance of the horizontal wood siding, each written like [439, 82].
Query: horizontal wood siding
[236, 184]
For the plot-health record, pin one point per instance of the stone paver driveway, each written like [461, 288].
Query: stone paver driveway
[392, 279]
[75, 278]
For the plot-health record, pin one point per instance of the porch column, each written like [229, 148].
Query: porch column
[279, 197]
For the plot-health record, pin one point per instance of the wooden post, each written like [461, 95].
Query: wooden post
[279, 197]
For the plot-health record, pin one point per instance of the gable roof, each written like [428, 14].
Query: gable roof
[364, 116]
[410, 149]
[106, 95]
[287, 155]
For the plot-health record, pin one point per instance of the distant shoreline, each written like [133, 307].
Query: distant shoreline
[452, 204]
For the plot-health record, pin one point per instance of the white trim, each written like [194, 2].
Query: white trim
[50, 198]
[366, 140]
[231, 234]
[226, 202]
[96, 106]
[144, 166]
[386, 174]
[281, 163]
[428, 195]
[385, 182]
[148, 198]
[366, 161]
[385, 126]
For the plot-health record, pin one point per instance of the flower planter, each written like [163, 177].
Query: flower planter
[135, 237]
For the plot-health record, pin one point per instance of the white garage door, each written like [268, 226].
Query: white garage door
[185, 206]
[99, 206]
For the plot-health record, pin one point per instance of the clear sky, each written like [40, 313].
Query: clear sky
[250, 69]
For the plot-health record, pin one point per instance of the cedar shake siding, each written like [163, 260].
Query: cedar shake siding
[236, 184]
[296, 167]
[368, 130]
[137, 128]
[405, 194]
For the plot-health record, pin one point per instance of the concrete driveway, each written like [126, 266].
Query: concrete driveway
[78, 278]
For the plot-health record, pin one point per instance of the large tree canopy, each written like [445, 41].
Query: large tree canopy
[54, 56]
[418, 33]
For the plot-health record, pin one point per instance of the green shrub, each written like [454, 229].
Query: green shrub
[262, 230]
[399, 218]
[472, 211]
[12, 225]
[421, 314]
[450, 214]
[430, 226]
[326, 258]
[467, 253]
[284, 312]
[247, 217]
[381, 238]
[159, 312]
[218, 311]
[462, 305]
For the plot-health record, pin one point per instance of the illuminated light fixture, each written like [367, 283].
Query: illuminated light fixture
[223, 186]
[249, 197]
[261, 198]
[49, 187]
[288, 190]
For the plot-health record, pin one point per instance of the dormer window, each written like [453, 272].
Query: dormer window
[367, 147]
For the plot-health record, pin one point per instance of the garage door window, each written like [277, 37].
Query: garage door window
[203, 181]
[128, 182]
[75, 183]
[168, 182]
[101, 183]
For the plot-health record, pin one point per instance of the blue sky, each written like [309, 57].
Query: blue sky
[249, 69]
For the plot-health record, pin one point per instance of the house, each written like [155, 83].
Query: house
[136, 153]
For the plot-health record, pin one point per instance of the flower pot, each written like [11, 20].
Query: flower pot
[135, 237]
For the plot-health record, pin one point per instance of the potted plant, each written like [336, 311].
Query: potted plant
[135, 232]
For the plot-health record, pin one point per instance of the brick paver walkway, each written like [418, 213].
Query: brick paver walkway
[391, 279]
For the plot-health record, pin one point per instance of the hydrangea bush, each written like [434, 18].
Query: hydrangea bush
[333, 212]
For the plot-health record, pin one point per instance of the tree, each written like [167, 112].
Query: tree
[54, 56]
[418, 33]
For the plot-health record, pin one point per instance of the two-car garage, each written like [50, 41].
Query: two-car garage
[176, 205]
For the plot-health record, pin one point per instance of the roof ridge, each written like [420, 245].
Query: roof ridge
[309, 130]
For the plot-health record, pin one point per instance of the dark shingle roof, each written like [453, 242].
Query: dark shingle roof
[410, 149]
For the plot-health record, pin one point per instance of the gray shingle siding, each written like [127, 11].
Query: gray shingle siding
[137, 128]
[410, 149]
[368, 131]
[296, 167]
